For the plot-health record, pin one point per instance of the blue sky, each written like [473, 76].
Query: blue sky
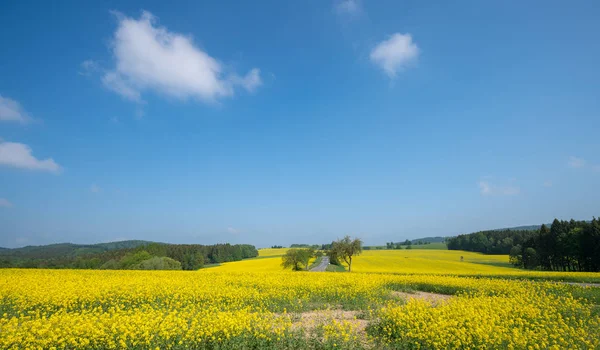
[283, 122]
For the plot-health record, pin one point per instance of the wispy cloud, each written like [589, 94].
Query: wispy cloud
[149, 57]
[5, 203]
[12, 111]
[95, 188]
[350, 8]
[488, 189]
[395, 54]
[88, 67]
[575, 162]
[18, 155]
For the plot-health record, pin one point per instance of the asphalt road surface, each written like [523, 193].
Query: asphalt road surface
[323, 265]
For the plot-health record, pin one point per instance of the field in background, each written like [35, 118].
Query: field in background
[434, 245]
[430, 261]
[419, 261]
[270, 252]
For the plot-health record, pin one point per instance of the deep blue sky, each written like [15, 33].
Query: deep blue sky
[294, 121]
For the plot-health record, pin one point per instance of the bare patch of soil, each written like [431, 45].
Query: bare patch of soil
[432, 298]
[309, 320]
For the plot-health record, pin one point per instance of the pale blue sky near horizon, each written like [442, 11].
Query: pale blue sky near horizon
[274, 122]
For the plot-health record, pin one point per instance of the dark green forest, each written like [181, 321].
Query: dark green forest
[564, 246]
[125, 255]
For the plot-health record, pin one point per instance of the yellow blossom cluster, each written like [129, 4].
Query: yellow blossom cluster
[529, 318]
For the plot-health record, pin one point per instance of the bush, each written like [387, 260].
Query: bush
[158, 263]
[132, 259]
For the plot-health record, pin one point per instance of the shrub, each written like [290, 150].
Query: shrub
[158, 263]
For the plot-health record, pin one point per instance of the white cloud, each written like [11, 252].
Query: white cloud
[348, 7]
[575, 162]
[149, 57]
[395, 54]
[95, 188]
[116, 83]
[18, 155]
[488, 189]
[4, 203]
[11, 111]
[250, 82]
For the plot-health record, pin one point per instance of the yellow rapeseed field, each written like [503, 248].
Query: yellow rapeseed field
[241, 305]
[419, 261]
[265, 252]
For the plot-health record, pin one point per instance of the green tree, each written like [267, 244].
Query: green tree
[516, 256]
[158, 263]
[346, 248]
[296, 258]
[530, 258]
[131, 259]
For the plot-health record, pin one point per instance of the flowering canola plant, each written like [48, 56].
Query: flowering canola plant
[219, 309]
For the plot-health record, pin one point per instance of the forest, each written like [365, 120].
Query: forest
[564, 246]
[146, 255]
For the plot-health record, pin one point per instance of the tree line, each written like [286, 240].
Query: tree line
[341, 250]
[156, 256]
[564, 246]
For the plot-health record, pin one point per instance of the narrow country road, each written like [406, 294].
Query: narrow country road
[322, 266]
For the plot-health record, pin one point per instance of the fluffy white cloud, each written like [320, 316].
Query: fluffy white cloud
[395, 54]
[11, 111]
[488, 189]
[4, 203]
[575, 162]
[149, 57]
[18, 155]
[348, 7]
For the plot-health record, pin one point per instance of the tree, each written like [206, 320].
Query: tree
[346, 248]
[296, 257]
[158, 263]
[530, 258]
[516, 255]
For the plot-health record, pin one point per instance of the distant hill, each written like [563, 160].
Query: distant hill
[124, 255]
[61, 250]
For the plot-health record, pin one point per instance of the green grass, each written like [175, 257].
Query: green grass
[335, 268]
[208, 266]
